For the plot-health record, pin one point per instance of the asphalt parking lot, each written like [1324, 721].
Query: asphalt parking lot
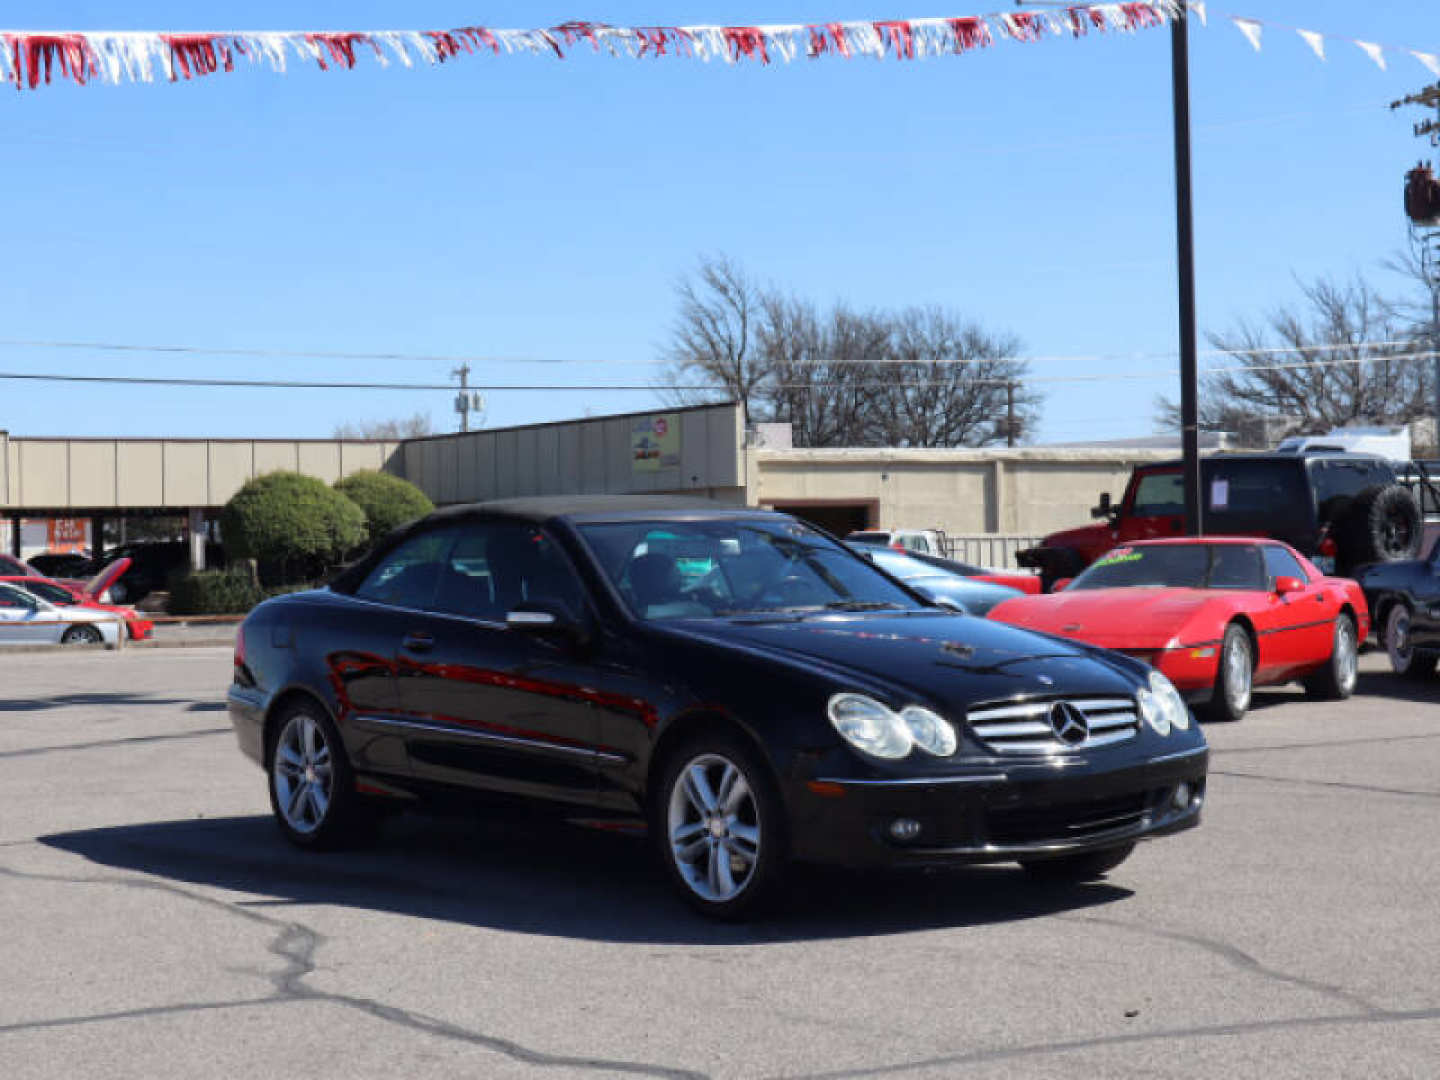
[157, 926]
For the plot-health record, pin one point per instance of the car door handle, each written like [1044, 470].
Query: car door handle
[418, 641]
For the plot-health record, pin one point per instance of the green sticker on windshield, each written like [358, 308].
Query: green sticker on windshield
[1120, 555]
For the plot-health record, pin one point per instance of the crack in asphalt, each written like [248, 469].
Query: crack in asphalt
[295, 945]
[1323, 744]
[35, 751]
[1234, 955]
[1369, 789]
[1010, 1053]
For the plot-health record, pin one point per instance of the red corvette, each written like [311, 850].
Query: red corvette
[1216, 615]
[66, 593]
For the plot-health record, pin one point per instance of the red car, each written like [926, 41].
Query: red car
[66, 593]
[1216, 615]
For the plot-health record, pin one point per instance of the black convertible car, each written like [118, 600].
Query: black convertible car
[744, 684]
[1404, 599]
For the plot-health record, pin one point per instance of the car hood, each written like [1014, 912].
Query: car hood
[976, 597]
[953, 660]
[111, 573]
[1113, 618]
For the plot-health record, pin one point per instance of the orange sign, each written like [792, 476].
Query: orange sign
[66, 534]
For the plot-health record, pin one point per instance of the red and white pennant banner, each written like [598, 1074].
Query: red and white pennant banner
[29, 58]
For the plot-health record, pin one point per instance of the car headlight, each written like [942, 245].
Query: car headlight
[1162, 706]
[876, 729]
[929, 730]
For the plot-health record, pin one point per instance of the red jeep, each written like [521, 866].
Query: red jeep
[1342, 510]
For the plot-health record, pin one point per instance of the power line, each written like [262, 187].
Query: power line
[457, 359]
[710, 388]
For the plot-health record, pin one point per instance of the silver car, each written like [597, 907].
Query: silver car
[25, 619]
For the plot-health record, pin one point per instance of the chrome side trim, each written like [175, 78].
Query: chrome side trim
[977, 778]
[491, 737]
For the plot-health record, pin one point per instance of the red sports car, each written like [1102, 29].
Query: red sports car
[66, 593]
[1216, 615]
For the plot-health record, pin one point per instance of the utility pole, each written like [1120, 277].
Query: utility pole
[466, 402]
[1009, 414]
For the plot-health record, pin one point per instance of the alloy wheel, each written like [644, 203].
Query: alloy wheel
[713, 825]
[304, 774]
[1397, 639]
[1347, 656]
[1238, 675]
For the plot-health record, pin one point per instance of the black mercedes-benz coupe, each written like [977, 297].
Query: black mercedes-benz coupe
[745, 685]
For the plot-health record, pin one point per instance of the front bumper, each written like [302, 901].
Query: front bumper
[1018, 810]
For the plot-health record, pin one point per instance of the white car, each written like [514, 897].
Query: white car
[25, 619]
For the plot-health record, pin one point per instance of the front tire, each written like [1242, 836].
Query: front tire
[720, 827]
[1404, 660]
[1336, 680]
[1076, 869]
[1234, 679]
[82, 634]
[312, 787]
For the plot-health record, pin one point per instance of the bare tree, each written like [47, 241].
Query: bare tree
[821, 369]
[919, 377]
[713, 340]
[952, 384]
[1343, 356]
[405, 427]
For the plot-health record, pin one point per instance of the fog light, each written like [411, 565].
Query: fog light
[1182, 797]
[904, 829]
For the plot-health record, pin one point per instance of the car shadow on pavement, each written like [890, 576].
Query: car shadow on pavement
[550, 878]
[113, 700]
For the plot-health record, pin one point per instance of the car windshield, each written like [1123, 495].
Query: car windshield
[721, 568]
[1185, 566]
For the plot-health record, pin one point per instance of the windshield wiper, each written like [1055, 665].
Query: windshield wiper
[863, 605]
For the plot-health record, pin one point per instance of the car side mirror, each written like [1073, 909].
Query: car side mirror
[1105, 509]
[1286, 585]
[547, 618]
[1061, 584]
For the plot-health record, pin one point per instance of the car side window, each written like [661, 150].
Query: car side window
[525, 565]
[410, 575]
[1280, 563]
[16, 598]
[1159, 494]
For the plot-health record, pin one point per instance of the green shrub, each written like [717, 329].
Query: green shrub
[214, 592]
[386, 500]
[295, 527]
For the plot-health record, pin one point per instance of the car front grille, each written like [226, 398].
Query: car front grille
[1028, 728]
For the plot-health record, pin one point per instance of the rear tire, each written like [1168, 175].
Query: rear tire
[719, 826]
[1234, 678]
[1404, 660]
[1075, 869]
[312, 786]
[1336, 680]
[82, 634]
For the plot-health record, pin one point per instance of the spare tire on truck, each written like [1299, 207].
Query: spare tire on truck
[1383, 525]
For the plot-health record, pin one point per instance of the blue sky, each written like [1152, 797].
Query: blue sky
[540, 212]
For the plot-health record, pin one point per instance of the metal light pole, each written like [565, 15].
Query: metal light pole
[1185, 256]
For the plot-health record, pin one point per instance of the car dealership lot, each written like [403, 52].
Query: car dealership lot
[156, 924]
